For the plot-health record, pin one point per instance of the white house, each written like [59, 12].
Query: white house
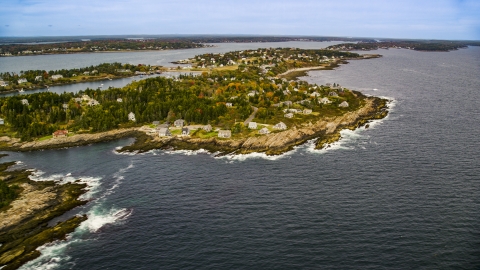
[224, 133]
[164, 132]
[56, 77]
[264, 131]
[25, 101]
[288, 103]
[3, 83]
[179, 123]
[333, 94]
[85, 97]
[324, 100]
[307, 111]
[228, 104]
[2, 121]
[252, 125]
[343, 104]
[93, 102]
[131, 117]
[207, 128]
[280, 126]
[22, 80]
[288, 115]
[119, 100]
[315, 94]
[38, 78]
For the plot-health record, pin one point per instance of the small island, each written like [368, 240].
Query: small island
[240, 102]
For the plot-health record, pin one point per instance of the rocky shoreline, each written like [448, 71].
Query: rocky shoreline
[325, 131]
[24, 222]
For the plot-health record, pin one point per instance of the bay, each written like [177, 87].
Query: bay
[402, 194]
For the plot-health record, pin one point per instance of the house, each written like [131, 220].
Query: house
[252, 93]
[156, 123]
[288, 103]
[333, 94]
[315, 94]
[86, 73]
[60, 133]
[25, 102]
[119, 100]
[228, 104]
[131, 117]
[179, 123]
[224, 133]
[22, 80]
[207, 128]
[264, 131]
[92, 102]
[307, 111]
[185, 131]
[78, 99]
[3, 83]
[85, 97]
[65, 106]
[38, 78]
[2, 121]
[252, 125]
[164, 132]
[56, 77]
[343, 104]
[288, 115]
[280, 126]
[324, 100]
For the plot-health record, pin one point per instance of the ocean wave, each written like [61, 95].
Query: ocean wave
[99, 215]
[52, 255]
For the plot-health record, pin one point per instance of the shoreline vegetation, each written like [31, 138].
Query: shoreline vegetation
[11, 82]
[258, 85]
[24, 221]
[92, 46]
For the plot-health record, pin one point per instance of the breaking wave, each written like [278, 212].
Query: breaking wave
[98, 213]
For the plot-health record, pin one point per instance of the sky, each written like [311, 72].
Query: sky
[415, 19]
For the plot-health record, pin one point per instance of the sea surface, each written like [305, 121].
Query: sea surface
[402, 194]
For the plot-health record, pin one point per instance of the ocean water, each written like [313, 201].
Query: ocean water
[402, 194]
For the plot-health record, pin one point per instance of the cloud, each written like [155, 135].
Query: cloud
[375, 18]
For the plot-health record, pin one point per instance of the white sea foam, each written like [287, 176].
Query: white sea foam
[186, 152]
[350, 139]
[93, 183]
[98, 217]
[52, 254]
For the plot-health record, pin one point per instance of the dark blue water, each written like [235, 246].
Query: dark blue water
[403, 194]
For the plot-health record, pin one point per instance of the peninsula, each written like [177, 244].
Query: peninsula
[242, 102]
